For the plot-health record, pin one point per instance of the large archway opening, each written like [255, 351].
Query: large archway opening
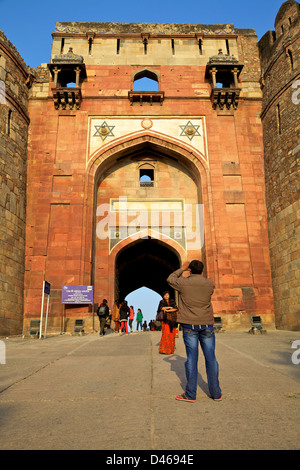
[140, 244]
[145, 299]
[144, 263]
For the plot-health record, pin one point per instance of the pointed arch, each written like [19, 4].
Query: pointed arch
[150, 234]
[289, 54]
[167, 147]
[148, 254]
[145, 72]
[108, 154]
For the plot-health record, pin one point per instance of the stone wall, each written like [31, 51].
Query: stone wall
[14, 123]
[279, 53]
[233, 186]
[73, 149]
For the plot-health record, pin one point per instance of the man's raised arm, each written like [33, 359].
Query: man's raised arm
[174, 278]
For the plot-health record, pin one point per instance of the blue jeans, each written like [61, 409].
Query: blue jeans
[206, 337]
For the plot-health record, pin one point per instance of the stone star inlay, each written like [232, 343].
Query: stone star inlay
[189, 130]
[104, 130]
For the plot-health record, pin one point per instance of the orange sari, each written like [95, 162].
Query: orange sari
[169, 331]
[167, 341]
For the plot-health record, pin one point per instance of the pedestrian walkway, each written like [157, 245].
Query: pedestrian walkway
[118, 393]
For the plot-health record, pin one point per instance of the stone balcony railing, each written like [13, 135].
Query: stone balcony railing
[146, 97]
[225, 98]
[67, 98]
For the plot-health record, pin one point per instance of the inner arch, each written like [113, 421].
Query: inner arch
[146, 262]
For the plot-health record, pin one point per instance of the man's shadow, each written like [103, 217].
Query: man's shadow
[177, 365]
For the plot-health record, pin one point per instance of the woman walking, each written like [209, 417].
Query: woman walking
[116, 316]
[168, 324]
[124, 313]
[131, 318]
[139, 319]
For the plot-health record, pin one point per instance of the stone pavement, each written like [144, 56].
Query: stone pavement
[118, 393]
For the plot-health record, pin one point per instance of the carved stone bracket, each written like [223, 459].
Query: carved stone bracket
[225, 98]
[142, 97]
[66, 98]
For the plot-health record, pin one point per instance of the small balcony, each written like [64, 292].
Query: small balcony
[67, 98]
[67, 70]
[146, 184]
[225, 98]
[223, 71]
[149, 97]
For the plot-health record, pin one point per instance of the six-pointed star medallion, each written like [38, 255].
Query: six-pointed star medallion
[189, 130]
[103, 131]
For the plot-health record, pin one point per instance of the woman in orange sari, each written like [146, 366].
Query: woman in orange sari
[168, 324]
[116, 316]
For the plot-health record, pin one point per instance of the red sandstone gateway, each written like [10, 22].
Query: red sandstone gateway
[125, 184]
[126, 171]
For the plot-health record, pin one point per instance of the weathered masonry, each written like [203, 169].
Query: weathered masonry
[125, 182]
[279, 52]
[14, 120]
[114, 170]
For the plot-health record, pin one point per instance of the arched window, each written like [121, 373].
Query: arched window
[278, 109]
[146, 175]
[145, 80]
[8, 124]
[290, 55]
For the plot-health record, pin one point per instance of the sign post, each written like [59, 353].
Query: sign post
[77, 295]
[46, 290]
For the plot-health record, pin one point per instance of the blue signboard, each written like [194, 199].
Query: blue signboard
[47, 287]
[77, 294]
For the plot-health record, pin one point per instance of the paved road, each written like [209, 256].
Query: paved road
[118, 393]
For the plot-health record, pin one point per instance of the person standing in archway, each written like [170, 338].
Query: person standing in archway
[139, 319]
[168, 324]
[103, 312]
[124, 314]
[195, 314]
[116, 316]
[131, 318]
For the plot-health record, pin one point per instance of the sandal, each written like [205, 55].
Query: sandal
[183, 397]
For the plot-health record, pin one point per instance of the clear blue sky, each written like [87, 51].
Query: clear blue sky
[145, 299]
[29, 24]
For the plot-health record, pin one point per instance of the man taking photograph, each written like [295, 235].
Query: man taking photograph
[195, 314]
